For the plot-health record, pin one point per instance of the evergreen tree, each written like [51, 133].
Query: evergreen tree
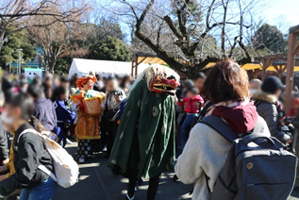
[270, 38]
[110, 48]
[9, 52]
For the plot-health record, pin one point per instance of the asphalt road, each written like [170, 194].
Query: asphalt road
[96, 182]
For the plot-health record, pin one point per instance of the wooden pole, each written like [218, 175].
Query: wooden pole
[290, 71]
[133, 62]
[136, 65]
[263, 69]
[255, 73]
[265, 65]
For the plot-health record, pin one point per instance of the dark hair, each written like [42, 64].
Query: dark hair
[226, 81]
[36, 80]
[192, 89]
[111, 77]
[98, 76]
[35, 123]
[23, 82]
[22, 76]
[35, 90]
[200, 75]
[57, 92]
[47, 89]
[123, 81]
[64, 79]
[47, 78]
[24, 102]
[188, 83]
[73, 80]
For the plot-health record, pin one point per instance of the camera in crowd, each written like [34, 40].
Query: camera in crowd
[288, 129]
[118, 93]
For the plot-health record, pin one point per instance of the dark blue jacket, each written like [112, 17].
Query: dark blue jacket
[122, 107]
[63, 115]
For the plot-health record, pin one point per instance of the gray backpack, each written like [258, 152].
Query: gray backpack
[257, 166]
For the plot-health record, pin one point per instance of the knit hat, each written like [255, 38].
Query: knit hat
[272, 84]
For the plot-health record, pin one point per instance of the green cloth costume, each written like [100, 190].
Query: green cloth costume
[146, 136]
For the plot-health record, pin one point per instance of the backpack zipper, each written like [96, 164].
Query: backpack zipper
[253, 184]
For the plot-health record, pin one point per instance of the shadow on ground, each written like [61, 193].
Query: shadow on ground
[96, 182]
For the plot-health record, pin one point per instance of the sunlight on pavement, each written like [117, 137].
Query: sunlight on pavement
[83, 177]
[89, 165]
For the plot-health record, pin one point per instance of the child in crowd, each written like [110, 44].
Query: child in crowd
[63, 114]
[191, 108]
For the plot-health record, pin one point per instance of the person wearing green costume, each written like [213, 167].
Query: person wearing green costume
[145, 142]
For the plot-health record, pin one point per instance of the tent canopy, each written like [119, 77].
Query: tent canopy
[150, 60]
[253, 66]
[103, 67]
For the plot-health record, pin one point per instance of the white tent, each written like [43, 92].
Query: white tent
[103, 67]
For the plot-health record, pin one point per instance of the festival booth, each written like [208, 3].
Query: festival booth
[83, 67]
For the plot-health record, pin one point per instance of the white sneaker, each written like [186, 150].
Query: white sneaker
[68, 141]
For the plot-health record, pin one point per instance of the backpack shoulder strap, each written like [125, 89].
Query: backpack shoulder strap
[44, 169]
[40, 167]
[221, 127]
[29, 130]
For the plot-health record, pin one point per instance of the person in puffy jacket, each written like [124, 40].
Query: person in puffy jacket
[270, 109]
[28, 154]
[190, 103]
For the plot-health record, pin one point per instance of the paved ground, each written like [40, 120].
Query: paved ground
[98, 183]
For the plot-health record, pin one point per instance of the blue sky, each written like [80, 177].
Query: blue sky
[282, 13]
[287, 10]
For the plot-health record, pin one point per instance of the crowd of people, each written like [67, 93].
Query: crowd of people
[144, 126]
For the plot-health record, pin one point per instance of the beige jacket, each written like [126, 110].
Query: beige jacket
[204, 154]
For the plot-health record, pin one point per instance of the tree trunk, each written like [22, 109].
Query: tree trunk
[51, 64]
[2, 39]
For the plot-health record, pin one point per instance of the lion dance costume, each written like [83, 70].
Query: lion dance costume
[89, 110]
[145, 142]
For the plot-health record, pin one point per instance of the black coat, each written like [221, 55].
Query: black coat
[3, 144]
[29, 153]
[267, 109]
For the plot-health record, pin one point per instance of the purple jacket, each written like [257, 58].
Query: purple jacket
[45, 112]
